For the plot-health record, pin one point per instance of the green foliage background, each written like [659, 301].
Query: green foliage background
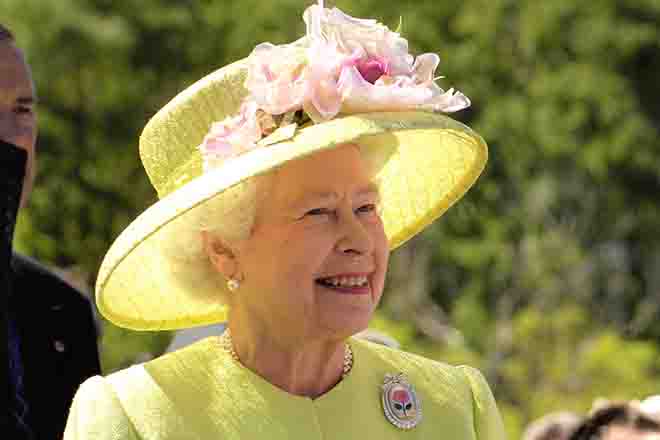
[546, 276]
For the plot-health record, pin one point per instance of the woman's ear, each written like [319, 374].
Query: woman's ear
[220, 255]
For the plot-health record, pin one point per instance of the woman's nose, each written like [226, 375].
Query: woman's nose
[355, 237]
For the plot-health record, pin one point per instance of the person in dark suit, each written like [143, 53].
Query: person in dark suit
[51, 332]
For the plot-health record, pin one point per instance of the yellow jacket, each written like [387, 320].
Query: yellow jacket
[199, 392]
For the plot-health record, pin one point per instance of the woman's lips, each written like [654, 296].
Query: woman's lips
[348, 283]
[354, 290]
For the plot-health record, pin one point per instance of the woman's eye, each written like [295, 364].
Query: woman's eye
[367, 208]
[317, 211]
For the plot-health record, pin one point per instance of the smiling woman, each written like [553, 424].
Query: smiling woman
[314, 238]
[285, 180]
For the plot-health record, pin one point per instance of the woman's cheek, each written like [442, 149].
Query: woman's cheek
[314, 221]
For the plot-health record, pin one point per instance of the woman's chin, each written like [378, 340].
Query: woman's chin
[345, 311]
[346, 321]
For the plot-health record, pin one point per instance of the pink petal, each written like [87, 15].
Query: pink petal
[276, 77]
[325, 97]
[232, 136]
[448, 102]
[424, 67]
[372, 69]
[360, 96]
[312, 18]
[217, 147]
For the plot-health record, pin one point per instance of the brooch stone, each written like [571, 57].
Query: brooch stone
[401, 405]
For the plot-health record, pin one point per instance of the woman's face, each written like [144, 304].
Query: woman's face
[314, 266]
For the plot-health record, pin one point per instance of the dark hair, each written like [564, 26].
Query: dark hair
[618, 414]
[558, 425]
[5, 34]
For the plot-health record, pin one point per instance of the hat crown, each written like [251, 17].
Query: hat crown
[170, 140]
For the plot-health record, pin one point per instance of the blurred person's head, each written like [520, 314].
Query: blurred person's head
[18, 122]
[618, 421]
[554, 426]
[651, 407]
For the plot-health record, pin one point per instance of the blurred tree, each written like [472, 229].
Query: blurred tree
[547, 275]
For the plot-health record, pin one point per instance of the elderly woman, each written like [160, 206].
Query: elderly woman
[279, 218]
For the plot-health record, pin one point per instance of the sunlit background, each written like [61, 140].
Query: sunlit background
[546, 276]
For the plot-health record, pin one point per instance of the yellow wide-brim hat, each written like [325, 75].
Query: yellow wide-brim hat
[426, 162]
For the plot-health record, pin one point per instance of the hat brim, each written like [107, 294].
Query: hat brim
[427, 162]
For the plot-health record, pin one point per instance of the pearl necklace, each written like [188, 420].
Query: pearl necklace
[227, 344]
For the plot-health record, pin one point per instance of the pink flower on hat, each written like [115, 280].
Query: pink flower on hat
[372, 69]
[367, 37]
[344, 65]
[232, 136]
[361, 66]
[401, 92]
[277, 79]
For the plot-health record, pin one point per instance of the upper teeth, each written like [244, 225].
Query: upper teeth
[347, 281]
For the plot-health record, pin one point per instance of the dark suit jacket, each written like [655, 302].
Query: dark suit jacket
[58, 344]
[57, 336]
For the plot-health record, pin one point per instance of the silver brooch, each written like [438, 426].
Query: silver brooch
[401, 405]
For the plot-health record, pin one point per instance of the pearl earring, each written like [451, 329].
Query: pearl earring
[233, 284]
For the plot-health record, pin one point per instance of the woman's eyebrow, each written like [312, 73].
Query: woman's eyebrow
[311, 198]
[329, 197]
